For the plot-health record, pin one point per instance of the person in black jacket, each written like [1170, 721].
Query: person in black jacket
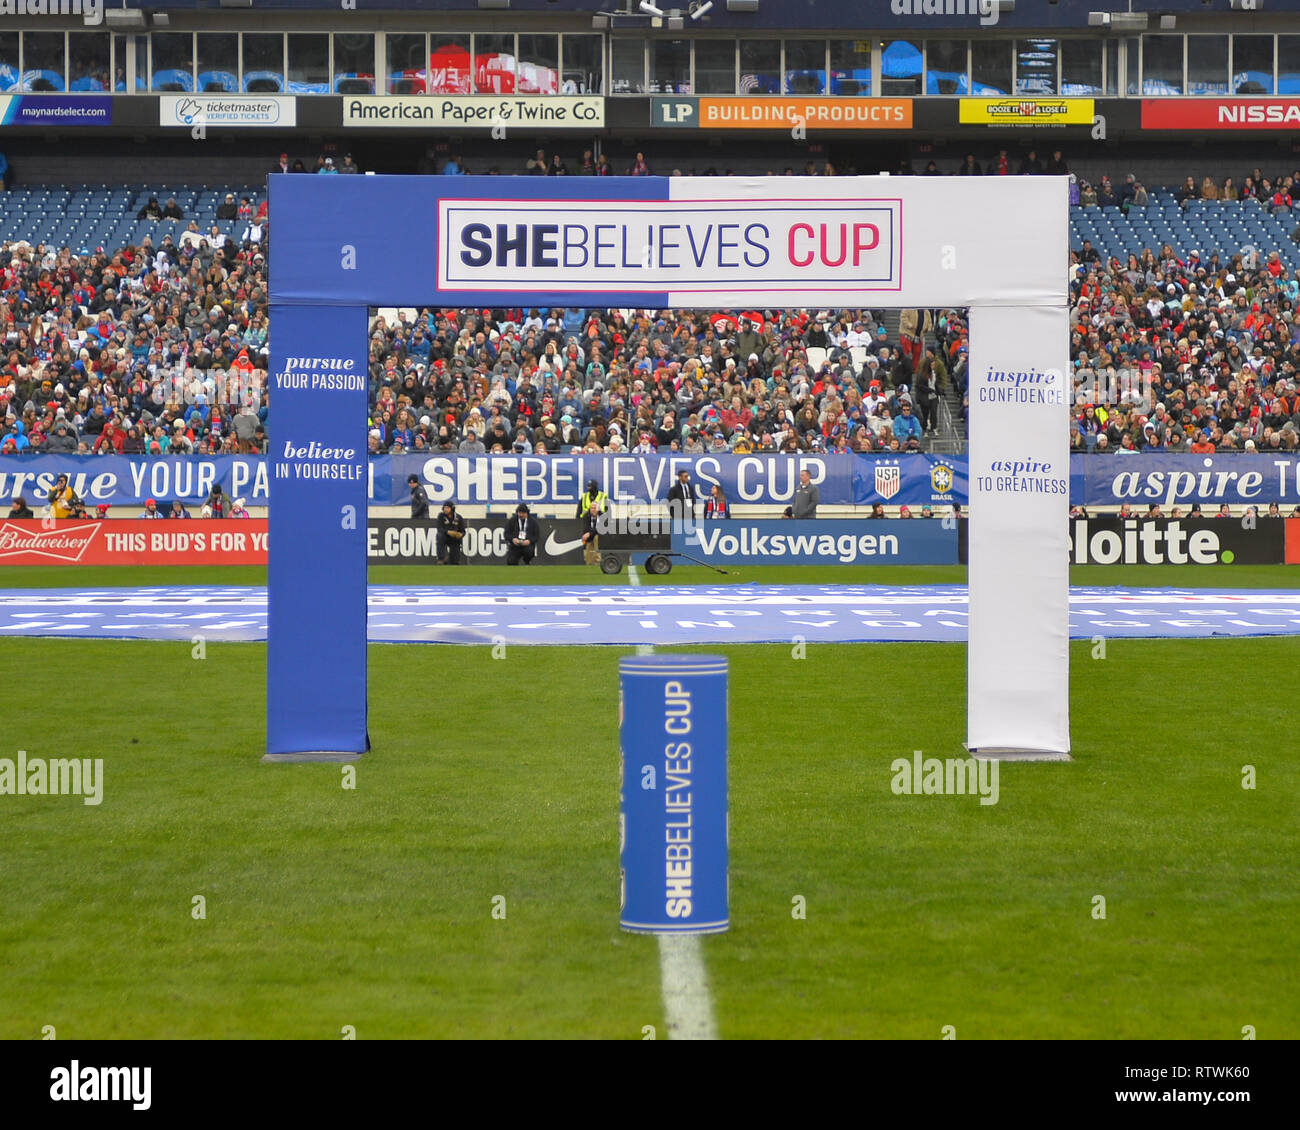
[452, 526]
[523, 535]
[926, 391]
[19, 508]
[419, 500]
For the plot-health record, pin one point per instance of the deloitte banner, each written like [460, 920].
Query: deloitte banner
[849, 542]
[1195, 541]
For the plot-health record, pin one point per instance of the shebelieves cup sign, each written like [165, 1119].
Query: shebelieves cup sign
[657, 247]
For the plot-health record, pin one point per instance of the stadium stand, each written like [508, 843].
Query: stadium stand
[1223, 226]
[155, 331]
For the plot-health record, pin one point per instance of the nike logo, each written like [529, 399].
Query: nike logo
[554, 548]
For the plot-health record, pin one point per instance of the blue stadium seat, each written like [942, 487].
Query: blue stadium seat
[354, 83]
[901, 60]
[264, 82]
[173, 80]
[219, 82]
[42, 80]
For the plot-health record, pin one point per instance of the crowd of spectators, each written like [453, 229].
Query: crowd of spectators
[1276, 193]
[528, 380]
[155, 349]
[1200, 354]
[160, 349]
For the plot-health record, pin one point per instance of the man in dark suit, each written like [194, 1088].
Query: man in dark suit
[523, 535]
[682, 497]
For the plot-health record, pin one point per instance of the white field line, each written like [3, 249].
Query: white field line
[688, 1004]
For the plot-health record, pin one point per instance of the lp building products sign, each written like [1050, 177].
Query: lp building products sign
[474, 111]
[783, 113]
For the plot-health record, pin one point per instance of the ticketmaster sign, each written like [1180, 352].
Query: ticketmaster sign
[264, 110]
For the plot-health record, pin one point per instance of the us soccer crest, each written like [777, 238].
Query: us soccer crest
[888, 480]
[941, 478]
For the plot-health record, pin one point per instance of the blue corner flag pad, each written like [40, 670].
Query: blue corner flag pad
[673, 794]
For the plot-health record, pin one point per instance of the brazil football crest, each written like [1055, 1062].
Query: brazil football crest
[941, 478]
[888, 479]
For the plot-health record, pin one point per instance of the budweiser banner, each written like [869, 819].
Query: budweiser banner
[125, 542]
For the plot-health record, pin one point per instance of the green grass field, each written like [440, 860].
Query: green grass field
[371, 907]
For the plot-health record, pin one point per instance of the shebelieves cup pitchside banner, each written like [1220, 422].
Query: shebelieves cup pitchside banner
[127, 480]
[1180, 480]
[862, 480]
[769, 480]
[560, 479]
[849, 542]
